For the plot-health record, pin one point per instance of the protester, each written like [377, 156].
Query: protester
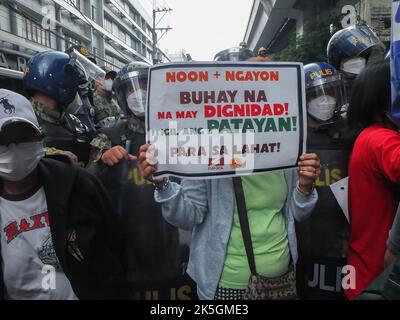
[374, 174]
[56, 219]
[218, 261]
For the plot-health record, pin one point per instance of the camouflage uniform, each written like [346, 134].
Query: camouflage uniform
[52, 116]
[102, 142]
[104, 107]
[56, 117]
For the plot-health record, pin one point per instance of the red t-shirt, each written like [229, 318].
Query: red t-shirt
[374, 176]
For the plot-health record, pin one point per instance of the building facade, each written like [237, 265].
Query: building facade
[272, 22]
[179, 56]
[115, 32]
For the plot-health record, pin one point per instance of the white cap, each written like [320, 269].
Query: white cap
[16, 108]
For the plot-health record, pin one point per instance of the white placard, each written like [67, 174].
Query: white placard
[216, 119]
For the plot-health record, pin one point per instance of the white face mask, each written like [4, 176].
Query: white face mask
[322, 107]
[17, 161]
[137, 102]
[354, 66]
[107, 84]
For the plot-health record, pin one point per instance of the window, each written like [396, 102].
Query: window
[134, 44]
[122, 35]
[72, 2]
[70, 41]
[115, 30]
[94, 13]
[34, 32]
[112, 61]
[108, 25]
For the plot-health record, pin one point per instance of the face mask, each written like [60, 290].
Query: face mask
[17, 161]
[107, 84]
[137, 102]
[322, 107]
[354, 66]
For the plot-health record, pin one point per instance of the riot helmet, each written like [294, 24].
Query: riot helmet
[325, 93]
[350, 49]
[52, 74]
[130, 87]
[234, 54]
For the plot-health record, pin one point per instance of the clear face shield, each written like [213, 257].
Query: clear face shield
[131, 93]
[363, 47]
[91, 71]
[325, 100]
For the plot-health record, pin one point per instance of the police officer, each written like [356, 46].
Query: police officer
[262, 52]
[351, 49]
[156, 257]
[104, 104]
[323, 237]
[51, 80]
[83, 106]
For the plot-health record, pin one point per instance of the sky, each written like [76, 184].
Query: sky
[203, 27]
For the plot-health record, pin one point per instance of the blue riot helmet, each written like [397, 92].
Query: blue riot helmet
[325, 94]
[53, 74]
[234, 54]
[130, 87]
[350, 49]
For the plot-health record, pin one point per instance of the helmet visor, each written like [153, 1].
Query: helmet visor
[92, 71]
[329, 90]
[359, 40]
[131, 93]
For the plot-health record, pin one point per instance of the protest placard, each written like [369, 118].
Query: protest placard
[209, 120]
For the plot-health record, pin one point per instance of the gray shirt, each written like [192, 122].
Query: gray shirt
[31, 269]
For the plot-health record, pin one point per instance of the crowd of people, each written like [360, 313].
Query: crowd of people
[77, 192]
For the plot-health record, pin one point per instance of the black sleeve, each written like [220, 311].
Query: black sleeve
[107, 251]
[110, 223]
[393, 242]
